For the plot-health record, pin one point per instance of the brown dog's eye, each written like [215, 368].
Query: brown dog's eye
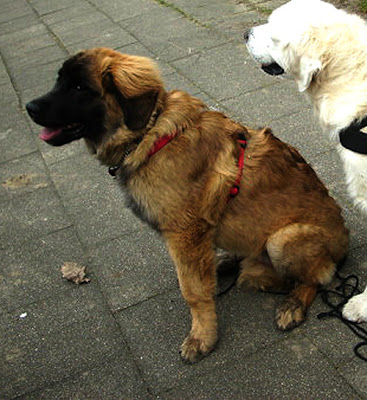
[79, 88]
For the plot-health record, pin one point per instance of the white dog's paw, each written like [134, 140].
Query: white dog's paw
[356, 308]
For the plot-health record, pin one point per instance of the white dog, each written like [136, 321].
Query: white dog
[325, 50]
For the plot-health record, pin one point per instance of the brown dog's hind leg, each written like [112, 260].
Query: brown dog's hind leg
[292, 312]
[259, 274]
[194, 258]
[300, 251]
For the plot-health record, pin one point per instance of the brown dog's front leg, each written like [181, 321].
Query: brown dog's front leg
[194, 257]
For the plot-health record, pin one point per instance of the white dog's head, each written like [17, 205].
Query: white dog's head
[286, 42]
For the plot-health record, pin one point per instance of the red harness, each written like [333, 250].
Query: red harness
[162, 141]
[235, 189]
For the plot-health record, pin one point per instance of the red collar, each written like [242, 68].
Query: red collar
[235, 189]
[161, 142]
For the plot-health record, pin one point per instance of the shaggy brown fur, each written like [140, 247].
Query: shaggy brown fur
[283, 223]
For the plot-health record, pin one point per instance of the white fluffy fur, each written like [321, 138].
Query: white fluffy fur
[325, 50]
[356, 308]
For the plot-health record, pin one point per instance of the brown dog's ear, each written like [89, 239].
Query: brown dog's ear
[136, 83]
[137, 110]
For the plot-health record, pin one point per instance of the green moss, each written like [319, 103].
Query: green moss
[265, 10]
[363, 5]
[183, 13]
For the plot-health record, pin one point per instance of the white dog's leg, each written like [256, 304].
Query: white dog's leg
[355, 167]
[356, 308]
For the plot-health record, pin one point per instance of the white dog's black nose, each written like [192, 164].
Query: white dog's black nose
[247, 35]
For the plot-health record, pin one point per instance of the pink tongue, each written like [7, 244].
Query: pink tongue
[48, 133]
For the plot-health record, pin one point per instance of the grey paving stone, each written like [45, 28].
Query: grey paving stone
[4, 78]
[287, 370]
[355, 221]
[68, 14]
[155, 329]
[14, 25]
[15, 142]
[235, 25]
[125, 9]
[328, 167]
[357, 263]
[28, 31]
[229, 60]
[31, 269]
[267, 104]
[41, 87]
[115, 378]
[23, 175]
[355, 374]
[43, 7]
[9, 99]
[34, 77]
[302, 131]
[176, 81]
[334, 339]
[207, 11]
[93, 200]
[14, 10]
[183, 37]
[133, 268]
[12, 112]
[112, 37]
[38, 50]
[35, 57]
[230, 18]
[33, 215]
[75, 29]
[59, 337]
[136, 48]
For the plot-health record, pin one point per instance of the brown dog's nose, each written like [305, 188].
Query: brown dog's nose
[32, 109]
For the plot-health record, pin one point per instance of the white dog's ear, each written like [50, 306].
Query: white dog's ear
[308, 68]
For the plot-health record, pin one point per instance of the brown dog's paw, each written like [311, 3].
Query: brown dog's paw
[193, 349]
[290, 314]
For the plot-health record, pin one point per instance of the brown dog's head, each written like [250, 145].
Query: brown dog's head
[97, 91]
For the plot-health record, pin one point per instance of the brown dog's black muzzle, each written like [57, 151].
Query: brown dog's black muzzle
[33, 109]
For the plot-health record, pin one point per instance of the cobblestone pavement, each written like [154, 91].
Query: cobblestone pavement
[118, 336]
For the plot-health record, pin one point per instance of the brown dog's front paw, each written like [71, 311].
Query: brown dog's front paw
[193, 349]
[290, 314]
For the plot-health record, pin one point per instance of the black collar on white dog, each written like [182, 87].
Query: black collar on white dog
[352, 138]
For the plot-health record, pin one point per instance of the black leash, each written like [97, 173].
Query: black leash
[347, 288]
[227, 274]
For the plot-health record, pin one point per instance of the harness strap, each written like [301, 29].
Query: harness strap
[162, 141]
[353, 139]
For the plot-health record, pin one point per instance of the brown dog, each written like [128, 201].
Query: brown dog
[204, 181]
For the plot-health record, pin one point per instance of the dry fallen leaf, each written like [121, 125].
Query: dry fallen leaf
[18, 181]
[74, 272]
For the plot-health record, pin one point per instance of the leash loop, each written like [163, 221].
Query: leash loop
[347, 288]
